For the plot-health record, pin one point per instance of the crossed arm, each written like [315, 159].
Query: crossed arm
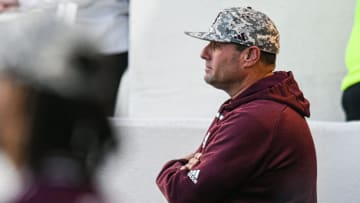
[224, 166]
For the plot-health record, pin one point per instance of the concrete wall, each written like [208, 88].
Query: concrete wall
[166, 73]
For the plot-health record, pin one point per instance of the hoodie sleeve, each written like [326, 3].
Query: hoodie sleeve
[230, 158]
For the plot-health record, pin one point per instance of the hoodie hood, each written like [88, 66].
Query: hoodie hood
[280, 87]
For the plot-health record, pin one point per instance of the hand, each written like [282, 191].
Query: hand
[193, 160]
[6, 5]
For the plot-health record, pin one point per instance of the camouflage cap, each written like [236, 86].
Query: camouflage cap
[244, 26]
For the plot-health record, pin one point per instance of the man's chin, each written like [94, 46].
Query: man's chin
[209, 80]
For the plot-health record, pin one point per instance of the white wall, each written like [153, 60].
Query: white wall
[166, 72]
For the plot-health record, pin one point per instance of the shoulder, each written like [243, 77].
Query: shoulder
[264, 115]
[260, 111]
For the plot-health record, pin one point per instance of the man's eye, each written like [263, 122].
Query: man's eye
[215, 45]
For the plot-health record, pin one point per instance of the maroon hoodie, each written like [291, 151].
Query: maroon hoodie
[258, 149]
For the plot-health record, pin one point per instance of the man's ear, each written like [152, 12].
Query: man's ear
[252, 55]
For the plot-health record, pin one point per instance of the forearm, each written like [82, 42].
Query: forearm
[178, 181]
[228, 161]
[170, 180]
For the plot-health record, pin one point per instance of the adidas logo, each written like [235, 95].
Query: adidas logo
[194, 175]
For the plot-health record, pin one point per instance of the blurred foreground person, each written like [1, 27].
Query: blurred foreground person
[51, 124]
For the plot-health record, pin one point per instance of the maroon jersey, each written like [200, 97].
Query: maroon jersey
[258, 149]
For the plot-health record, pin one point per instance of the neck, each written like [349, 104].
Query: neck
[248, 82]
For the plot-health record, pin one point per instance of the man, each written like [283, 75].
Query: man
[259, 147]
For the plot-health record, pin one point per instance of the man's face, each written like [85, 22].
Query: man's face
[222, 65]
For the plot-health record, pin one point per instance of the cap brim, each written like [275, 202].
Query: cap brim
[206, 36]
[198, 35]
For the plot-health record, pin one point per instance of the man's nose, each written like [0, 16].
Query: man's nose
[205, 53]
